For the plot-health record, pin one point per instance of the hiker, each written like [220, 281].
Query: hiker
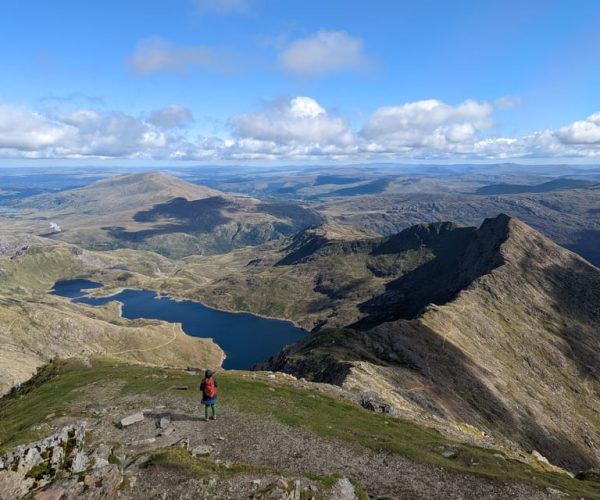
[208, 387]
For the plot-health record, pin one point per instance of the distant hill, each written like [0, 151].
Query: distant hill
[495, 327]
[546, 187]
[154, 211]
[570, 218]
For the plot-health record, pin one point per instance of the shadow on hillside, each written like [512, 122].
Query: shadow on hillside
[587, 244]
[453, 384]
[177, 216]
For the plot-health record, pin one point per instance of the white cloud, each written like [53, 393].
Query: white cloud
[223, 6]
[295, 129]
[172, 116]
[427, 124]
[585, 132]
[507, 102]
[299, 120]
[25, 130]
[156, 55]
[324, 52]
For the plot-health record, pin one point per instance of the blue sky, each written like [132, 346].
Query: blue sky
[281, 80]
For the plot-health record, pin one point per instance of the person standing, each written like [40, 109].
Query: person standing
[208, 388]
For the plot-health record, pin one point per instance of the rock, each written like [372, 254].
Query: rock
[202, 450]
[282, 483]
[180, 387]
[556, 493]
[164, 422]
[136, 463]
[98, 484]
[344, 490]
[101, 455]
[80, 462]
[539, 457]
[371, 401]
[182, 443]
[131, 419]
[31, 459]
[450, 454]
[589, 475]
[256, 482]
[141, 442]
[58, 455]
[14, 485]
[167, 432]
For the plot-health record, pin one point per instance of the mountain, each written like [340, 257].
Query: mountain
[497, 332]
[121, 193]
[553, 185]
[58, 439]
[570, 217]
[158, 212]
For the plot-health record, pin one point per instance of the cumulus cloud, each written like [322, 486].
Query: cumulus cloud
[296, 129]
[156, 55]
[172, 116]
[25, 130]
[324, 52]
[585, 132]
[427, 124]
[299, 120]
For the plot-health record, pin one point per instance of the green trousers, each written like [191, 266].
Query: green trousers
[213, 408]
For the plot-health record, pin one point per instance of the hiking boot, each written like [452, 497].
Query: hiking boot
[205, 419]
[213, 418]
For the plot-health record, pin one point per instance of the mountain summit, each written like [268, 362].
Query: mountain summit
[159, 212]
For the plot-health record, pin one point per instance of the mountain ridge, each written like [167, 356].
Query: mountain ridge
[494, 355]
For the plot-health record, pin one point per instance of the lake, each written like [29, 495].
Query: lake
[247, 339]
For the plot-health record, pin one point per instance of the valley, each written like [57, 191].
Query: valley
[456, 312]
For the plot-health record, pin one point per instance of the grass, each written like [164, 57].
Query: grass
[60, 384]
[205, 467]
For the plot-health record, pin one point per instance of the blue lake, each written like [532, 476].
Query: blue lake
[246, 339]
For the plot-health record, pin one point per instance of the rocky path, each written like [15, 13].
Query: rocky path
[239, 438]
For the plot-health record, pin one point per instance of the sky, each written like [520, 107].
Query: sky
[290, 81]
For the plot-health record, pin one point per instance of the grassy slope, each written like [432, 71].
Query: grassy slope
[60, 385]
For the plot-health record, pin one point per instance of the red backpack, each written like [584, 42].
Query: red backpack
[210, 391]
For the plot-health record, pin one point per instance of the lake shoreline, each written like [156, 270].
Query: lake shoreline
[245, 338]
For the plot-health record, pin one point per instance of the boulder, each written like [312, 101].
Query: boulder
[539, 457]
[371, 401]
[343, 489]
[131, 419]
[202, 450]
[164, 422]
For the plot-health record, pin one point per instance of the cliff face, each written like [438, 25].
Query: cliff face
[500, 332]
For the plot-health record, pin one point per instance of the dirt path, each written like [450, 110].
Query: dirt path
[173, 338]
[240, 438]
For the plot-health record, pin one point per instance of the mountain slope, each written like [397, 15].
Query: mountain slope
[328, 439]
[158, 212]
[512, 347]
[127, 192]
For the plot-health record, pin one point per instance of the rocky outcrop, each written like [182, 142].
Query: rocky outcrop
[98, 484]
[31, 465]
